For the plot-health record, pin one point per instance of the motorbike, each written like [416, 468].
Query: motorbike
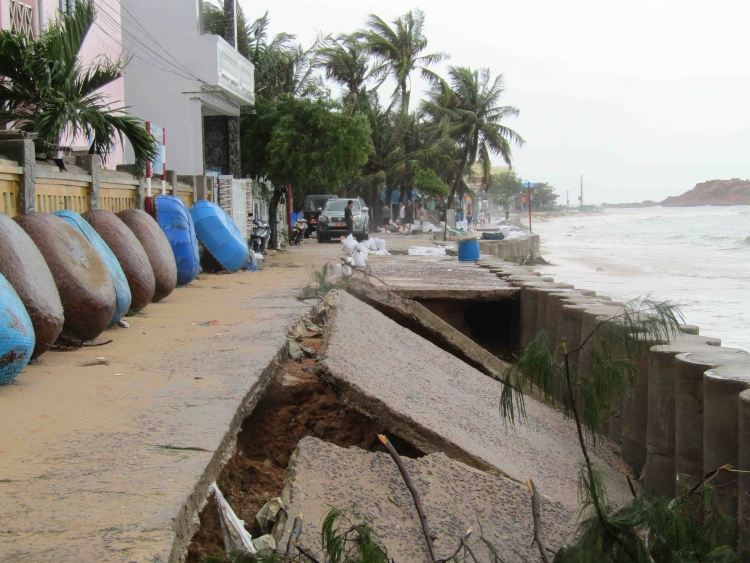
[259, 237]
[299, 230]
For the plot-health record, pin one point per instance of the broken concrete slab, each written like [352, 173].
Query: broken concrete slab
[419, 319]
[455, 497]
[440, 278]
[436, 402]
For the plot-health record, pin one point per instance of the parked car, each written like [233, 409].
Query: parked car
[311, 209]
[331, 221]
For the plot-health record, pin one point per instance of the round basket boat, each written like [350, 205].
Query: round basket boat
[130, 254]
[25, 269]
[219, 235]
[122, 290]
[86, 289]
[16, 333]
[175, 221]
[157, 248]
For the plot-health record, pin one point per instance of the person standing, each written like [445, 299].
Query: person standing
[349, 218]
[409, 216]
[401, 214]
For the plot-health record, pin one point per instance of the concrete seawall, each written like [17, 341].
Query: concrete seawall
[511, 248]
[689, 411]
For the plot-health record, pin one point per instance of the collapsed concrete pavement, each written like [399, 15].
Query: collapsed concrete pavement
[437, 403]
[455, 498]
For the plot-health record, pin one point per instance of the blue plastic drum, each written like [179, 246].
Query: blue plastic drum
[175, 220]
[468, 250]
[122, 289]
[219, 235]
[16, 334]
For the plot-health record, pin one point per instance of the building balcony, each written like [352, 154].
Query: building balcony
[223, 68]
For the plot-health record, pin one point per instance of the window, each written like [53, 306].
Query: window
[21, 18]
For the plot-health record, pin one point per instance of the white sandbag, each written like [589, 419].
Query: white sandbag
[363, 247]
[236, 538]
[360, 258]
[371, 244]
[379, 244]
[426, 251]
[337, 269]
[350, 244]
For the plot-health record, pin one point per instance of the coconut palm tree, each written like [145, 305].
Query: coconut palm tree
[466, 107]
[45, 89]
[398, 50]
[346, 62]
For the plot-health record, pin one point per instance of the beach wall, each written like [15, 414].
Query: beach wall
[511, 249]
[28, 185]
[689, 411]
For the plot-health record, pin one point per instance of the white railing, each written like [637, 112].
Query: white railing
[220, 65]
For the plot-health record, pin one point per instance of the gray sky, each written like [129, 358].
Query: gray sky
[644, 98]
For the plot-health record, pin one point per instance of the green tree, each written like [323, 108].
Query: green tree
[543, 196]
[427, 182]
[345, 61]
[398, 50]
[505, 186]
[301, 142]
[467, 108]
[45, 89]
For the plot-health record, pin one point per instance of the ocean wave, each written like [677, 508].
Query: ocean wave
[746, 241]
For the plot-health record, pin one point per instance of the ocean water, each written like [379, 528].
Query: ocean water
[698, 257]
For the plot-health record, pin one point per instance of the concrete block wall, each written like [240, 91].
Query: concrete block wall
[510, 249]
[689, 410]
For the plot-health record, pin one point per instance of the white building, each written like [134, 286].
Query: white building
[191, 84]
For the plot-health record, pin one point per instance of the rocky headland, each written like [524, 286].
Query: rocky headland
[713, 192]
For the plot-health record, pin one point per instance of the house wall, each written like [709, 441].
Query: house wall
[104, 40]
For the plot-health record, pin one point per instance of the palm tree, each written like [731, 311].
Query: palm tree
[398, 49]
[45, 89]
[345, 61]
[466, 108]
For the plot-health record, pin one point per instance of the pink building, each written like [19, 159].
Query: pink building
[191, 83]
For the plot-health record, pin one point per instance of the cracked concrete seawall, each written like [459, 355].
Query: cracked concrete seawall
[689, 411]
[455, 497]
[436, 402]
[112, 462]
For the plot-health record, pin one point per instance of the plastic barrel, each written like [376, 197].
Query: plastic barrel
[175, 220]
[468, 250]
[16, 334]
[113, 265]
[219, 235]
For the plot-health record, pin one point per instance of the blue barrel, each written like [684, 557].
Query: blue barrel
[219, 235]
[122, 289]
[468, 250]
[175, 220]
[16, 334]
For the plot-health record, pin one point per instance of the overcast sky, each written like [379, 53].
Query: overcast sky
[643, 98]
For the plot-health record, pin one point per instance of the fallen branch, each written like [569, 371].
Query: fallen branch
[306, 552]
[630, 483]
[461, 545]
[537, 522]
[294, 536]
[414, 493]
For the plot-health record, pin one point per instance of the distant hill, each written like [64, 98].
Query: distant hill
[713, 192]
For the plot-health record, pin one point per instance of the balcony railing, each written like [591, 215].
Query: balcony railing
[222, 66]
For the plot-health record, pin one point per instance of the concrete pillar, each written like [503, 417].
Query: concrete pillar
[190, 181]
[541, 312]
[721, 432]
[23, 152]
[659, 472]
[204, 186]
[235, 166]
[690, 368]
[635, 412]
[743, 519]
[92, 163]
[172, 181]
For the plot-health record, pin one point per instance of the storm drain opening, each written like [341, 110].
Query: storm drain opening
[295, 405]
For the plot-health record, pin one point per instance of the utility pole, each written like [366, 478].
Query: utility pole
[528, 202]
[230, 22]
[567, 198]
[581, 198]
